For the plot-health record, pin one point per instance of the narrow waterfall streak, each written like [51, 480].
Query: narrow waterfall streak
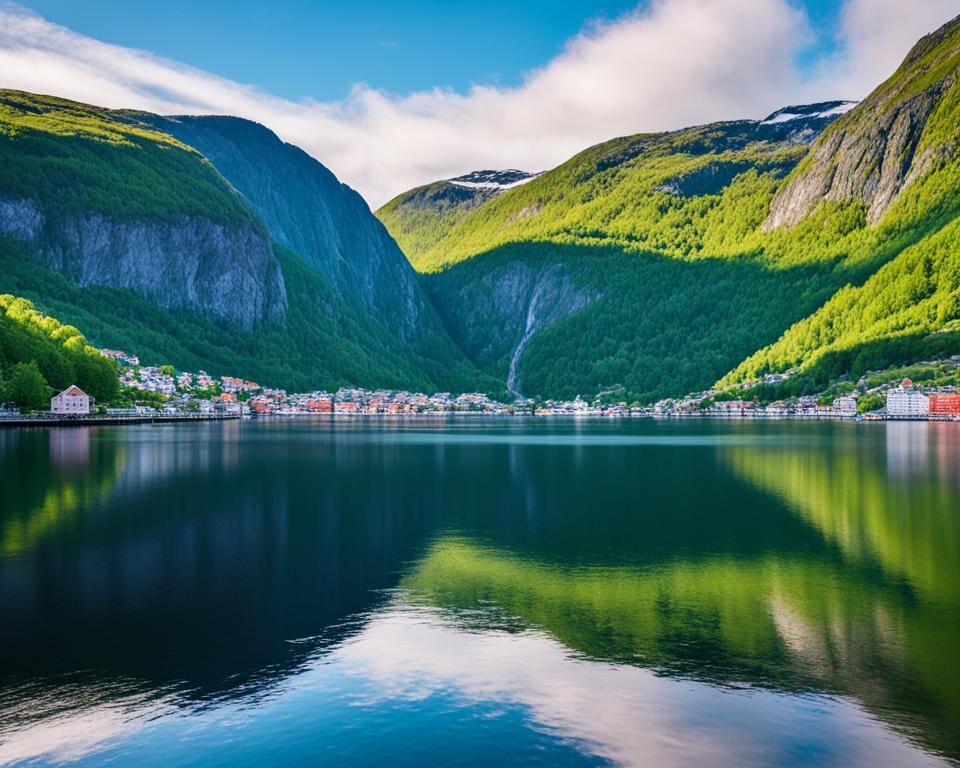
[528, 332]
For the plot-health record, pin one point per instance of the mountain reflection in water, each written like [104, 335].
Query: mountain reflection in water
[526, 591]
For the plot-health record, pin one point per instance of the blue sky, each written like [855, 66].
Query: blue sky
[299, 49]
[390, 95]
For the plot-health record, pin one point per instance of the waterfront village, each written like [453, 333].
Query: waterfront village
[163, 391]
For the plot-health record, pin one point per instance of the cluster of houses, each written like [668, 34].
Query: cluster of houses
[580, 407]
[148, 379]
[802, 407]
[187, 391]
[366, 401]
[121, 358]
[902, 402]
[203, 393]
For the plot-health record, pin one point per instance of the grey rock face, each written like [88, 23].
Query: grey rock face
[228, 272]
[871, 153]
[872, 163]
[712, 178]
[20, 218]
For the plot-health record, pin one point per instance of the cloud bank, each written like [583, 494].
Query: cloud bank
[669, 64]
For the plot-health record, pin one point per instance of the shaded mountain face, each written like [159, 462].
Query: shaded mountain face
[307, 210]
[259, 261]
[674, 260]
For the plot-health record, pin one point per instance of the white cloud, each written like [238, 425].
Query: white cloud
[675, 63]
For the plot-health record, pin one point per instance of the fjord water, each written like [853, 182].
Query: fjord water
[481, 592]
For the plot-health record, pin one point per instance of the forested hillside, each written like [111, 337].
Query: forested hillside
[423, 217]
[633, 263]
[895, 157]
[134, 236]
[654, 265]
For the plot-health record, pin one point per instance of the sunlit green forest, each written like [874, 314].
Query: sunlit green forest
[59, 352]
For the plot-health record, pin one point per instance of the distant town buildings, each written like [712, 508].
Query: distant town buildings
[72, 400]
[201, 393]
[121, 357]
[233, 384]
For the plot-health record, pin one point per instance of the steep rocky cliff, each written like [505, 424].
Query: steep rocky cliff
[891, 139]
[494, 317]
[308, 210]
[226, 271]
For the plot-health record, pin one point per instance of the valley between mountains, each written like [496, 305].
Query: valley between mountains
[822, 241]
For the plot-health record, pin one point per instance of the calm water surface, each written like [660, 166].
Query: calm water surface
[481, 592]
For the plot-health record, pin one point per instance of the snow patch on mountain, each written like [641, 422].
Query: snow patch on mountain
[499, 180]
[809, 112]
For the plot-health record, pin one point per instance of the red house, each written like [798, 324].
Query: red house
[945, 404]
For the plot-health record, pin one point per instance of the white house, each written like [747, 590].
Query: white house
[846, 405]
[907, 401]
[71, 400]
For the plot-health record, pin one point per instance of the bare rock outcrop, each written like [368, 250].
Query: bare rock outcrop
[871, 153]
[225, 271]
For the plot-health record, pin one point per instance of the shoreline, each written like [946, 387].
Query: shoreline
[29, 422]
[103, 421]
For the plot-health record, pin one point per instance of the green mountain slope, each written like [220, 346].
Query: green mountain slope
[323, 344]
[899, 146]
[630, 266]
[908, 310]
[133, 235]
[653, 265]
